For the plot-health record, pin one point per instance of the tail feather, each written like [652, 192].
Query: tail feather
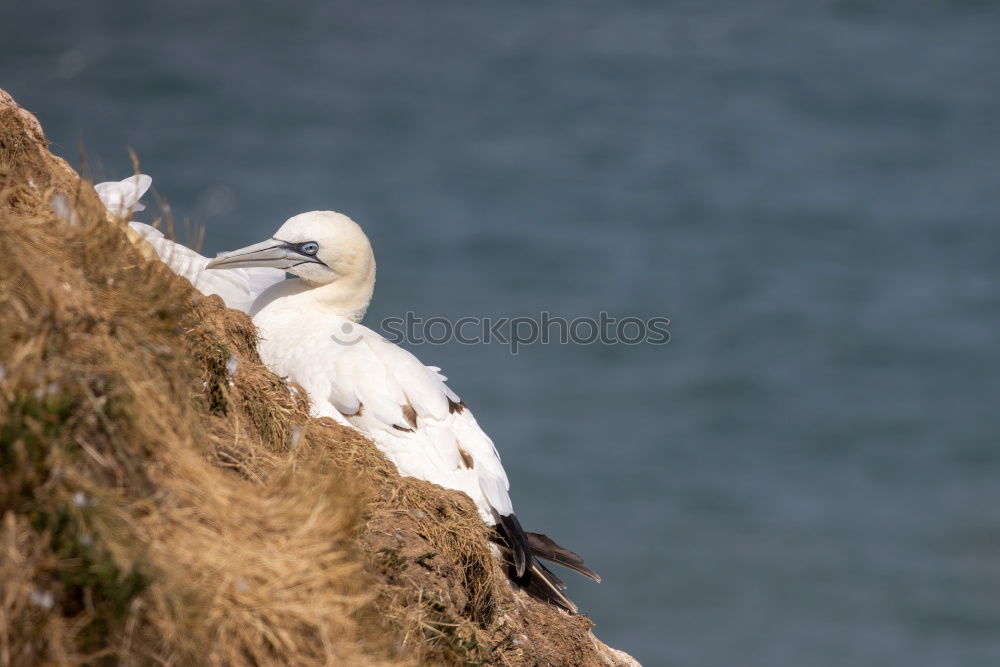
[539, 582]
[543, 585]
[536, 579]
[544, 547]
[551, 576]
[517, 541]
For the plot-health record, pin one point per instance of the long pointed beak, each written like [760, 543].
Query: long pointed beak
[272, 253]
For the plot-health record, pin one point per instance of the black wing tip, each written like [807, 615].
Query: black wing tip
[543, 585]
[539, 583]
[545, 547]
[527, 571]
[518, 543]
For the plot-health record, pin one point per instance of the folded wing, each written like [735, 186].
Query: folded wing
[237, 287]
[416, 419]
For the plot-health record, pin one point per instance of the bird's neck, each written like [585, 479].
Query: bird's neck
[346, 297]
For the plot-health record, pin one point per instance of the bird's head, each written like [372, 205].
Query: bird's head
[327, 250]
[321, 247]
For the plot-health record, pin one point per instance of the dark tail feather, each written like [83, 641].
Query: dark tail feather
[518, 543]
[539, 582]
[543, 585]
[551, 576]
[536, 579]
[543, 547]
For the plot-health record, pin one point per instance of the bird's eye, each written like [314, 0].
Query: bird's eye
[310, 248]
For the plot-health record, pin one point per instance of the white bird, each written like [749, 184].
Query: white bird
[310, 332]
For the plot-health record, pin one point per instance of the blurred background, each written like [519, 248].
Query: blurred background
[809, 473]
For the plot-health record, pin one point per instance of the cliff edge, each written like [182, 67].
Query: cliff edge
[166, 499]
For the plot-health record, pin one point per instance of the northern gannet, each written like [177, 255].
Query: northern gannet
[311, 332]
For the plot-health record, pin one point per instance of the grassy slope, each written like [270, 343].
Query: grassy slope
[157, 507]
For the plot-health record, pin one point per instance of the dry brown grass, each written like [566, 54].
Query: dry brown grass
[125, 536]
[157, 509]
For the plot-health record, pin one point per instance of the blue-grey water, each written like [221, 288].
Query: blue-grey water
[809, 472]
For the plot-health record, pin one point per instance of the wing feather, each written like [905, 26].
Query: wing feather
[237, 287]
[408, 411]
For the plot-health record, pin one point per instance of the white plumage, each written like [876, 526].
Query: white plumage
[121, 198]
[353, 374]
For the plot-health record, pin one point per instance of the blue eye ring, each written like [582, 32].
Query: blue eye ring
[309, 248]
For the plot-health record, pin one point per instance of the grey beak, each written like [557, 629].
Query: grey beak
[272, 253]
